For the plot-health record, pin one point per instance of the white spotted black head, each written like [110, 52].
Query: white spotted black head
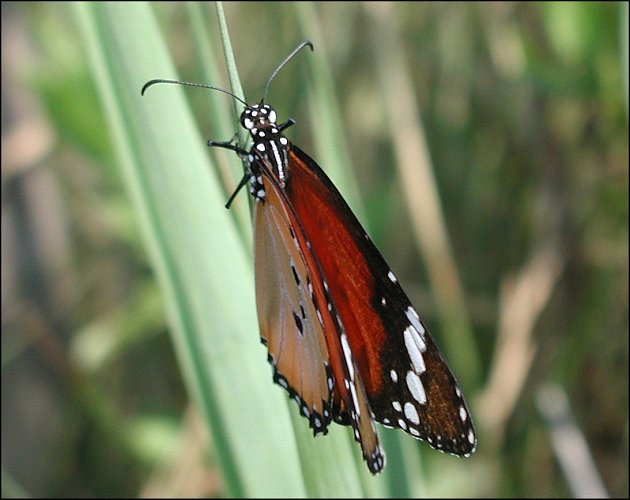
[259, 118]
[270, 146]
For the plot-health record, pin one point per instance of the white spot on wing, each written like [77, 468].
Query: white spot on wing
[416, 388]
[396, 406]
[393, 375]
[355, 399]
[347, 354]
[415, 347]
[391, 277]
[471, 436]
[414, 319]
[462, 414]
[411, 413]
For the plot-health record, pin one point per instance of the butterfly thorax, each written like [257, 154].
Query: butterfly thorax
[270, 146]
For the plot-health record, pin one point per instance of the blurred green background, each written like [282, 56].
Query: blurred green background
[483, 145]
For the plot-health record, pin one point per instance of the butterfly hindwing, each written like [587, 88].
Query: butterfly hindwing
[349, 399]
[287, 316]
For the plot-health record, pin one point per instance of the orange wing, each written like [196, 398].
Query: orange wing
[298, 318]
[407, 382]
[287, 315]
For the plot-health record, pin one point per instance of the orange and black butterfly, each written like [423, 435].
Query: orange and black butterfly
[342, 337]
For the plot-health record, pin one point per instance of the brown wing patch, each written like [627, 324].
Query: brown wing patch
[350, 404]
[419, 394]
[288, 319]
[407, 382]
[359, 411]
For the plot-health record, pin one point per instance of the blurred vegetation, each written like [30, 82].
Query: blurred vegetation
[524, 109]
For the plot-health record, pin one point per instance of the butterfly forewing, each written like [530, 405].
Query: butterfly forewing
[419, 394]
[408, 384]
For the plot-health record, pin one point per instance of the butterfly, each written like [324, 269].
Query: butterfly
[343, 339]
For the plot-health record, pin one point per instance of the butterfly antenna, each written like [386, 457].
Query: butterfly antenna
[190, 84]
[286, 60]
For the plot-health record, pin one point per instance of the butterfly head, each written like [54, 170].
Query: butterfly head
[259, 118]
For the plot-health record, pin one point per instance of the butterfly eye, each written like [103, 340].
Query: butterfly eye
[246, 121]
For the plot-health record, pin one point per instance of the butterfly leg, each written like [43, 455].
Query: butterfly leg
[286, 124]
[242, 153]
[231, 145]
